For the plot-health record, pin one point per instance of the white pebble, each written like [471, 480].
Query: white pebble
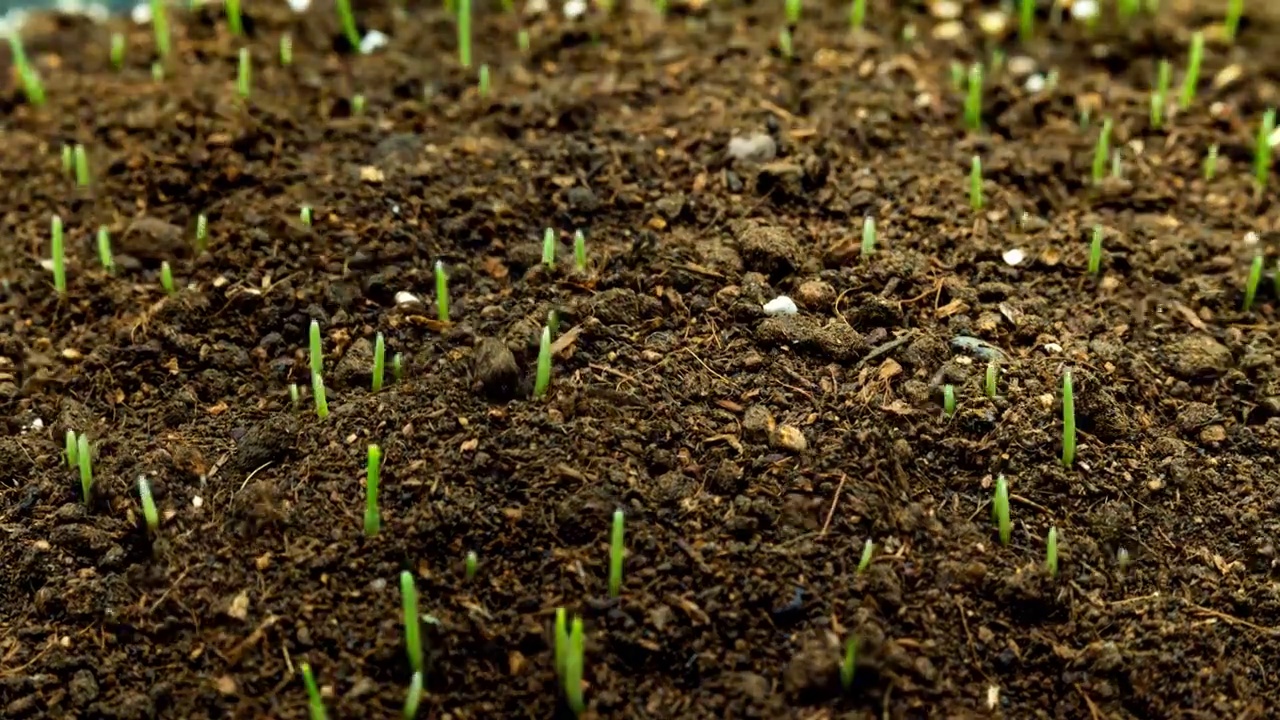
[1084, 9]
[1035, 83]
[574, 9]
[299, 5]
[781, 305]
[197, 501]
[1014, 257]
[1250, 239]
[141, 14]
[373, 41]
[407, 298]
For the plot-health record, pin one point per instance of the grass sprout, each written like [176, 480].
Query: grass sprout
[948, 400]
[166, 278]
[976, 200]
[483, 83]
[244, 74]
[412, 628]
[549, 248]
[785, 46]
[464, 33]
[1000, 509]
[522, 41]
[348, 22]
[286, 50]
[849, 664]
[379, 361]
[543, 378]
[1192, 80]
[1262, 151]
[1251, 284]
[357, 105]
[414, 697]
[973, 100]
[553, 322]
[160, 28]
[560, 637]
[1160, 96]
[66, 160]
[72, 450]
[1211, 162]
[1235, 8]
[579, 251]
[991, 378]
[864, 562]
[397, 367]
[202, 233]
[157, 72]
[117, 50]
[857, 14]
[304, 215]
[293, 394]
[792, 9]
[573, 666]
[84, 459]
[27, 75]
[81, 162]
[470, 565]
[315, 703]
[442, 292]
[322, 401]
[1051, 552]
[148, 505]
[316, 353]
[868, 236]
[1068, 421]
[617, 549]
[1095, 251]
[1101, 152]
[373, 474]
[1026, 19]
[59, 256]
[234, 23]
[104, 250]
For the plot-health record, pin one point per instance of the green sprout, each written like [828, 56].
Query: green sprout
[166, 278]
[1095, 251]
[442, 293]
[997, 61]
[522, 41]
[973, 101]
[293, 394]
[561, 640]
[244, 75]
[573, 664]
[31, 85]
[792, 8]
[59, 257]
[549, 248]
[305, 215]
[202, 233]
[470, 564]
[1251, 284]
[412, 629]
[117, 50]
[957, 75]
[1159, 97]
[1262, 152]
[72, 449]
[1192, 80]
[66, 160]
[414, 698]
[1211, 162]
[992, 376]
[464, 33]
[84, 458]
[357, 105]
[1068, 421]
[286, 50]
[949, 400]
[157, 71]
[616, 552]
[314, 702]
[484, 81]
[1026, 19]
[379, 361]
[104, 250]
[1127, 9]
[1122, 559]
[397, 367]
[785, 47]
[1051, 552]
[864, 562]
[160, 26]
[316, 353]
[81, 161]
[148, 505]
[1084, 118]
[849, 665]
[1235, 8]
[868, 236]
[857, 14]
[322, 401]
[543, 378]
[976, 200]
[372, 517]
[553, 323]
[1000, 509]
[348, 22]
[579, 251]
[1116, 167]
[1101, 152]
[233, 18]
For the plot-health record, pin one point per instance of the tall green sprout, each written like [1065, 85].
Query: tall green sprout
[160, 25]
[1251, 284]
[1160, 96]
[1095, 251]
[27, 75]
[1026, 19]
[1192, 80]
[1102, 152]
[379, 361]
[442, 293]
[59, 256]
[84, 458]
[560, 644]
[464, 33]
[573, 666]
[413, 698]
[976, 199]
[348, 22]
[543, 378]
[1000, 510]
[616, 550]
[857, 14]
[412, 629]
[315, 703]
[373, 472]
[1262, 152]
[317, 355]
[149, 513]
[1068, 421]
[792, 9]
[973, 101]
[234, 23]
[244, 75]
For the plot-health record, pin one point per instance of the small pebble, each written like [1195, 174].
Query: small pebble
[781, 305]
[1013, 257]
[373, 41]
[789, 437]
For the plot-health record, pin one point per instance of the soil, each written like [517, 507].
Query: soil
[753, 455]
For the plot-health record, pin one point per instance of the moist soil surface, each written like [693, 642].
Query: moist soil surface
[753, 455]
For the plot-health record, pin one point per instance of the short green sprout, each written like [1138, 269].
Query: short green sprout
[553, 323]
[573, 666]
[1211, 162]
[957, 75]
[379, 361]
[322, 401]
[973, 101]
[316, 353]
[1122, 559]
[1251, 284]
[1192, 80]
[82, 165]
[792, 9]
[616, 551]
[1000, 509]
[991, 378]
[104, 250]
[304, 215]
[1095, 251]
[543, 379]
[1102, 152]
[1116, 166]
[149, 513]
[117, 50]
[522, 41]
[202, 233]
[1026, 19]
[160, 27]
[579, 251]
[67, 162]
[166, 278]
[464, 33]
[84, 458]
[315, 703]
[244, 75]
[157, 71]
[286, 50]
[549, 248]
[976, 200]
[373, 471]
[30, 79]
[857, 14]
[442, 292]
[234, 23]
[348, 22]
[864, 562]
[849, 665]
[1068, 421]
[397, 366]
[560, 644]
[470, 565]
[948, 400]
[1051, 552]
[785, 47]
[483, 82]
[1262, 151]
[357, 105]
[59, 256]
[293, 394]
[414, 697]
[72, 450]
[1160, 97]
[1235, 8]
[868, 236]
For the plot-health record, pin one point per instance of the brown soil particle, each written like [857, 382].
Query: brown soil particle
[753, 453]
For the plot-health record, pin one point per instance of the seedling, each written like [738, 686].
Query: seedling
[357, 105]
[293, 394]
[157, 72]
[549, 248]
[1211, 162]
[976, 200]
[560, 644]
[1235, 8]
[244, 74]
[973, 101]
[1026, 19]
[286, 50]
[857, 14]
[234, 24]
[160, 26]
[868, 236]
[992, 377]
[84, 458]
[1101, 152]
[522, 41]
[1116, 167]
[616, 550]
[317, 355]
[71, 450]
[1000, 509]
[315, 703]
[412, 630]
[373, 471]
[166, 278]
[1160, 97]
[948, 400]
[379, 361]
[849, 665]
[785, 48]
[1085, 115]
[1127, 9]
[792, 8]
[553, 322]
[1051, 552]
[1095, 251]
[484, 81]
[1251, 284]
[1192, 80]
[59, 257]
[442, 293]
[1122, 559]
[464, 33]
[202, 233]
[573, 664]
[957, 76]
[397, 366]
[864, 562]
[1262, 151]
[117, 50]
[470, 565]
[543, 378]
[414, 698]
[148, 505]
[579, 251]
[31, 85]
[348, 22]
[305, 215]
[317, 391]
[66, 160]
[104, 250]
[82, 165]
[1068, 421]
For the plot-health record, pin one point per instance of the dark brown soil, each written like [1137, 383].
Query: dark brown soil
[753, 455]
